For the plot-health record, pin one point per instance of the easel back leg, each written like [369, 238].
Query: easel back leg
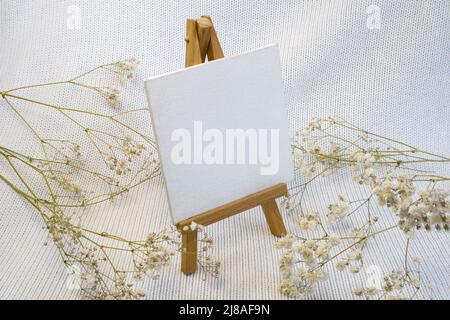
[273, 218]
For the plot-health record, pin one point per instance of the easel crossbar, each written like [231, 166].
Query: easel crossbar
[237, 206]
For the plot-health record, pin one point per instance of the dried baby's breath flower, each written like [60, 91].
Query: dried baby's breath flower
[108, 160]
[310, 222]
[396, 285]
[128, 66]
[388, 170]
[113, 96]
[301, 263]
[337, 211]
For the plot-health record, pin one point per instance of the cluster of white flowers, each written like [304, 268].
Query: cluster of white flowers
[130, 150]
[353, 261]
[303, 162]
[157, 254]
[310, 221]
[301, 264]
[128, 66]
[118, 166]
[425, 208]
[415, 210]
[395, 286]
[338, 211]
[112, 95]
[123, 290]
[308, 162]
[59, 148]
[124, 70]
[314, 124]
[70, 186]
[60, 227]
[149, 257]
[86, 259]
[211, 265]
[309, 154]
[363, 162]
[81, 257]
[393, 191]
[432, 208]
[389, 169]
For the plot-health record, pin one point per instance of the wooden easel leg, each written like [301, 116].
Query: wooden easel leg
[193, 53]
[189, 251]
[204, 27]
[214, 50]
[273, 218]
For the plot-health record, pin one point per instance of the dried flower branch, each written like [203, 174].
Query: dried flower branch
[393, 174]
[102, 161]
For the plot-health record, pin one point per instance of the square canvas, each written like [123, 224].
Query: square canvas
[222, 130]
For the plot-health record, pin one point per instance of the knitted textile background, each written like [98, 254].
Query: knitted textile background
[394, 80]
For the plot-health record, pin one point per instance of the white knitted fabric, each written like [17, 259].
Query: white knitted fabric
[393, 80]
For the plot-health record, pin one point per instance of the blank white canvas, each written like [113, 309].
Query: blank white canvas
[244, 91]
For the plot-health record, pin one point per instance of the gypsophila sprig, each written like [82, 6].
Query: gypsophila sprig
[104, 159]
[394, 176]
[399, 284]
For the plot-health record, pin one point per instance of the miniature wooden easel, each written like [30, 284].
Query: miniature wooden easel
[201, 42]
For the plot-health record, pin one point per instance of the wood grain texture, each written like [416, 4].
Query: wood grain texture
[273, 218]
[193, 53]
[189, 251]
[204, 27]
[240, 205]
[214, 50]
